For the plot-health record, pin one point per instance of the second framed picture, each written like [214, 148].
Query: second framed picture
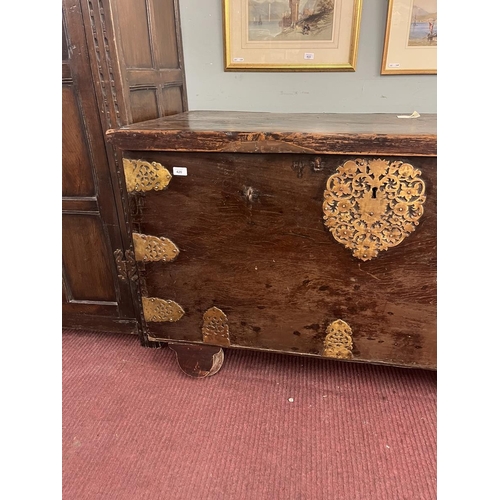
[410, 46]
[291, 35]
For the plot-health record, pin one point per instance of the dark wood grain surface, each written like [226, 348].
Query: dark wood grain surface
[230, 131]
[252, 243]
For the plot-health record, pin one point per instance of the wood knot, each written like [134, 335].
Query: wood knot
[250, 194]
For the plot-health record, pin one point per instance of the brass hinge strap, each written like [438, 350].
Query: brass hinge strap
[153, 249]
[142, 175]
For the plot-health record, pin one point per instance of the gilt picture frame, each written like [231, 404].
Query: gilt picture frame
[410, 45]
[291, 35]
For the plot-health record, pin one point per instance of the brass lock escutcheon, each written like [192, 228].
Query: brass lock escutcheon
[373, 205]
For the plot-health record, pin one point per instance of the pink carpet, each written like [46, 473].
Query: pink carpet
[135, 427]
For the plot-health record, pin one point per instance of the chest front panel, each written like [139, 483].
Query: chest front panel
[325, 255]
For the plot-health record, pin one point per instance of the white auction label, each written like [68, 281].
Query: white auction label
[394, 65]
[180, 171]
[238, 59]
[309, 55]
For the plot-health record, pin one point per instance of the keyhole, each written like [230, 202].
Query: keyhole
[374, 192]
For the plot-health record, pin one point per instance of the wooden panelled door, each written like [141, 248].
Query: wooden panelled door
[149, 48]
[94, 295]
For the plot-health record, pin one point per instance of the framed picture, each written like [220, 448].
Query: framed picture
[410, 46]
[291, 35]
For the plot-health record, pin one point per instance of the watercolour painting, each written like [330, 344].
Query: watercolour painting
[423, 27]
[284, 20]
[410, 45]
[291, 35]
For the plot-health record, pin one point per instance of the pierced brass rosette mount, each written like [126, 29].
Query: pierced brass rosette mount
[373, 205]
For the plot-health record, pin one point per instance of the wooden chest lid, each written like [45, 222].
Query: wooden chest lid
[306, 133]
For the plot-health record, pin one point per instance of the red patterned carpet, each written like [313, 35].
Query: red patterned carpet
[135, 427]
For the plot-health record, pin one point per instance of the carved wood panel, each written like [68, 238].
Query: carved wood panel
[93, 297]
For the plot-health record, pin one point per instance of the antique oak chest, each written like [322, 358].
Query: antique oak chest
[307, 234]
